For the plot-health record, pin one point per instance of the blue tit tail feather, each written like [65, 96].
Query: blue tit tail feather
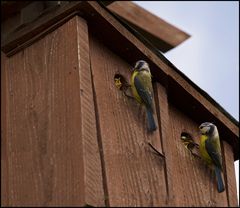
[220, 185]
[151, 122]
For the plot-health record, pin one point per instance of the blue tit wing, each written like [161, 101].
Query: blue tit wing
[213, 153]
[144, 88]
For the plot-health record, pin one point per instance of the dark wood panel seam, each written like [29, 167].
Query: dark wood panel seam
[99, 139]
[225, 172]
[4, 138]
[157, 104]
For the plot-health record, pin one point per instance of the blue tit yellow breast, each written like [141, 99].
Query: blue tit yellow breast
[134, 90]
[204, 154]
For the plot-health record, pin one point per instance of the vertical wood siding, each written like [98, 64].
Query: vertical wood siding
[230, 178]
[71, 138]
[194, 183]
[51, 154]
[134, 173]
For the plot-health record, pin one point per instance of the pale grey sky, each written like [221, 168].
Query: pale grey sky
[210, 57]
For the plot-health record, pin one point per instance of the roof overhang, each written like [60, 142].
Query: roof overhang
[163, 35]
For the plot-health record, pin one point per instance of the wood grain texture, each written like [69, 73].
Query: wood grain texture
[47, 146]
[230, 177]
[163, 114]
[194, 183]
[4, 158]
[149, 23]
[187, 177]
[134, 173]
[94, 194]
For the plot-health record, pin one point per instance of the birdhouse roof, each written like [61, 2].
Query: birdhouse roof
[162, 34]
[125, 36]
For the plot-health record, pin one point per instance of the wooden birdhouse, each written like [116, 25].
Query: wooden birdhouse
[71, 138]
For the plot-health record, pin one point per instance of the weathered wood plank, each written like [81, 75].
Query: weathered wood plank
[149, 23]
[163, 113]
[187, 177]
[194, 183]
[94, 194]
[230, 177]
[52, 152]
[4, 116]
[134, 173]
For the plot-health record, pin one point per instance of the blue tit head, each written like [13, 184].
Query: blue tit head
[142, 66]
[207, 128]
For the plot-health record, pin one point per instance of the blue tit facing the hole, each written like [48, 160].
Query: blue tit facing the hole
[210, 150]
[141, 84]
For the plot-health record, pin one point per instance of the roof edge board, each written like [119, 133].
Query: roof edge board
[160, 43]
[149, 23]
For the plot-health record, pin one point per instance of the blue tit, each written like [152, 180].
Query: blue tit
[210, 150]
[141, 84]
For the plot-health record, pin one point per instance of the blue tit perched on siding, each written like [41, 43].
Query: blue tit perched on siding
[141, 84]
[210, 150]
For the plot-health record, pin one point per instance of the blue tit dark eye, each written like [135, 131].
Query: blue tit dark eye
[201, 127]
[140, 64]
